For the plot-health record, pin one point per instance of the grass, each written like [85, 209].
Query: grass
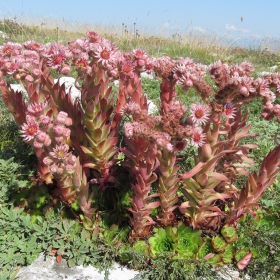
[60, 232]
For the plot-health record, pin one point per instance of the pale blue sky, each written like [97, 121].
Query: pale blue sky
[235, 19]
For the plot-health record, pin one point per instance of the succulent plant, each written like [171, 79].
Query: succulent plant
[164, 240]
[189, 241]
[219, 243]
[229, 233]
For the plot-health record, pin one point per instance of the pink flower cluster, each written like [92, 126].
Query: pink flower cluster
[34, 130]
[61, 162]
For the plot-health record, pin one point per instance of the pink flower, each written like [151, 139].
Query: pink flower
[94, 37]
[127, 71]
[246, 85]
[229, 111]
[180, 145]
[169, 147]
[60, 151]
[66, 132]
[37, 144]
[47, 161]
[44, 120]
[139, 54]
[69, 168]
[128, 130]
[198, 138]
[71, 159]
[53, 168]
[56, 59]
[32, 45]
[61, 118]
[81, 64]
[131, 108]
[58, 130]
[47, 141]
[10, 49]
[200, 113]
[41, 137]
[37, 109]
[104, 54]
[29, 130]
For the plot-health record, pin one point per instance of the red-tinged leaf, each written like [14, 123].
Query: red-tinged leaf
[208, 165]
[192, 184]
[239, 213]
[89, 125]
[87, 151]
[172, 192]
[189, 197]
[250, 146]
[253, 183]
[219, 176]
[209, 256]
[184, 205]
[89, 165]
[152, 205]
[192, 172]
[59, 258]
[171, 181]
[154, 195]
[242, 199]
[96, 134]
[244, 262]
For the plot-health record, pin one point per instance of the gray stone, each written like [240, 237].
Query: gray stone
[49, 269]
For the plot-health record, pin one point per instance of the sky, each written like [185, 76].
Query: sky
[238, 21]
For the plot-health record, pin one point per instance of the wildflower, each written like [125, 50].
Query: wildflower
[47, 141]
[81, 64]
[10, 49]
[179, 70]
[127, 71]
[47, 161]
[130, 108]
[246, 67]
[56, 59]
[180, 145]
[200, 113]
[245, 84]
[140, 57]
[186, 80]
[62, 119]
[37, 109]
[58, 130]
[29, 130]
[44, 120]
[31, 45]
[41, 137]
[71, 159]
[169, 147]
[94, 37]
[139, 54]
[53, 168]
[229, 110]
[104, 55]
[37, 144]
[69, 168]
[128, 130]
[198, 138]
[60, 151]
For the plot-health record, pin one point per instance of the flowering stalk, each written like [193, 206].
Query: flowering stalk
[168, 186]
[142, 165]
